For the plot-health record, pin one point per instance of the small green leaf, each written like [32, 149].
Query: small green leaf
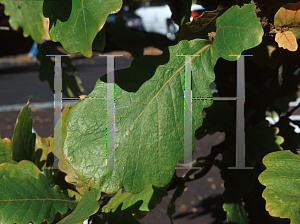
[27, 197]
[87, 206]
[281, 179]
[23, 141]
[29, 16]
[234, 25]
[75, 24]
[73, 194]
[5, 151]
[128, 199]
[235, 213]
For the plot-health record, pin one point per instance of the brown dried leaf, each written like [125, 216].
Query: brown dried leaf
[212, 36]
[286, 40]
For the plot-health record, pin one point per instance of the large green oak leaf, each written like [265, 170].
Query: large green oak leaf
[282, 181]
[29, 16]
[26, 195]
[149, 109]
[75, 23]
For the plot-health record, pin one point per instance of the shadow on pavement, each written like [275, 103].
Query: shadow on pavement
[211, 205]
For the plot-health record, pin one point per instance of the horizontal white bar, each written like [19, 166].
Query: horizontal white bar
[4, 28]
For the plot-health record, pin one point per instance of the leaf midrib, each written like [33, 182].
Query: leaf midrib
[179, 69]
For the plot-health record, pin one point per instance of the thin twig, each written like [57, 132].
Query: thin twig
[288, 114]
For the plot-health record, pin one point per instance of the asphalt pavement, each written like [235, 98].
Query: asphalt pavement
[17, 80]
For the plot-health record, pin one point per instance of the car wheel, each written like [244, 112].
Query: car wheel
[171, 33]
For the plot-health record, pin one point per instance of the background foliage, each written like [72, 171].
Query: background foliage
[149, 115]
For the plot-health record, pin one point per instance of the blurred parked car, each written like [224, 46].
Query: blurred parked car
[132, 20]
[156, 17]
